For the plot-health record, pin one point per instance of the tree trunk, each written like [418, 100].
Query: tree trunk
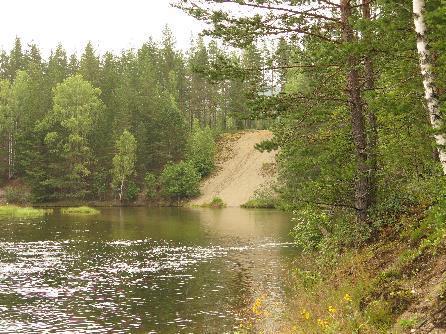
[121, 190]
[362, 187]
[371, 116]
[10, 155]
[432, 102]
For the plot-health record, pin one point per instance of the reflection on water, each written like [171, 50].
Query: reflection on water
[141, 270]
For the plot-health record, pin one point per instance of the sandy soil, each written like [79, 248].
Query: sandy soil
[241, 169]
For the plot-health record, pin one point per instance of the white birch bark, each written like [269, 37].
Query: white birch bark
[433, 105]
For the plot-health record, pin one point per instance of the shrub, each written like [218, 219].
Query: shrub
[201, 150]
[132, 191]
[151, 184]
[315, 230]
[309, 229]
[216, 203]
[264, 198]
[180, 180]
[17, 195]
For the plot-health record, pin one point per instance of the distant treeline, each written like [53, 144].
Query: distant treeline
[61, 117]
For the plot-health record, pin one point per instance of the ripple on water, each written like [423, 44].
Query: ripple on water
[117, 286]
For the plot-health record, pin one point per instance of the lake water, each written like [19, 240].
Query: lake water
[141, 270]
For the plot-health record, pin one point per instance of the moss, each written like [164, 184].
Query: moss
[23, 212]
[81, 210]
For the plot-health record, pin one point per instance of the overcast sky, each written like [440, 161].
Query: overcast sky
[110, 24]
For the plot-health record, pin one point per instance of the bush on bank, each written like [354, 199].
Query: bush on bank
[180, 180]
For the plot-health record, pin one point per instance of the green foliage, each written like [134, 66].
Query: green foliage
[124, 161]
[316, 230]
[69, 128]
[201, 150]
[216, 203]
[264, 198]
[180, 180]
[17, 195]
[151, 185]
[310, 228]
[132, 192]
[80, 211]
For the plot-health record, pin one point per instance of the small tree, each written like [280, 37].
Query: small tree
[201, 150]
[124, 160]
[180, 180]
[68, 129]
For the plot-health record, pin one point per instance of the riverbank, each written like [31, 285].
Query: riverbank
[395, 283]
[240, 172]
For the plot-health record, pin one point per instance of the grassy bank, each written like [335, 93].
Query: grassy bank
[395, 283]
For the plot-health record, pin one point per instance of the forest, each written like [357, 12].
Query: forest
[64, 119]
[354, 93]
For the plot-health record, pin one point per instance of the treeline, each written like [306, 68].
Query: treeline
[61, 117]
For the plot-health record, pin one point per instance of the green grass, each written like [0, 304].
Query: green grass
[264, 198]
[23, 212]
[81, 210]
[216, 203]
[258, 203]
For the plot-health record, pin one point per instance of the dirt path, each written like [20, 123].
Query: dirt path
[241, 169]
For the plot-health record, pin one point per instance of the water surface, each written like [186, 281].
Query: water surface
[140, 270]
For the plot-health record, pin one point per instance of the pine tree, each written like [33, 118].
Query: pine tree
[89, 65]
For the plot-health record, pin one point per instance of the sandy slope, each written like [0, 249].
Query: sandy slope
[241, 169]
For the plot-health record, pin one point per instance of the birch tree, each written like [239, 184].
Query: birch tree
[69, 128]
[430, 90]
[124, 161]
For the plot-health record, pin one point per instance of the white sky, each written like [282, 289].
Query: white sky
[112, 25]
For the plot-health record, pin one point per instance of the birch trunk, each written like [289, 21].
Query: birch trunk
[432, 102]
[10, 155]
[362, 186]
[121, 190]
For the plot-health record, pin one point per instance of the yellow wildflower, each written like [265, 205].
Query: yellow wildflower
[331, 309]
[305, 314]
[322, 323]
[257, 306]
[347, 298]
